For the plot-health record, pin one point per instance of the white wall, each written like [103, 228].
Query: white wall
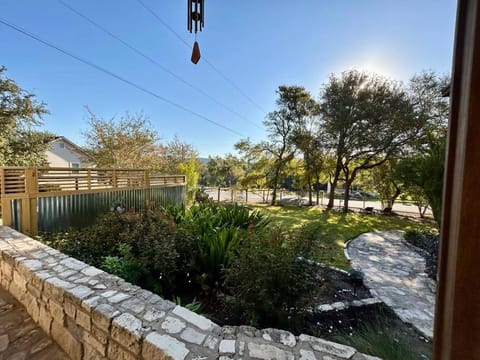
[66, 156]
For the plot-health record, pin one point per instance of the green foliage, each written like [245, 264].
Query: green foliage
[424, 171]
[123, 266]
[201, 197]
[218, 231]
[139, 247]
[190, 169]
[412, 234]
[20, 113]
[194, 305]
[382, 339]
[269, 284]
[128, 142]
[366, 120]
[328, 231]
[223, 171]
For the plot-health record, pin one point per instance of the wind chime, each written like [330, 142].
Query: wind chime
[195, 23]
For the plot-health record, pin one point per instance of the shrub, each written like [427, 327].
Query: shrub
[139, 247]
[217, 231]
[428, 244]
[202, 197]
[125, 266]
[269, 283]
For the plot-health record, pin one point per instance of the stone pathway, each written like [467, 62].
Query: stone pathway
[20, 337]
[395, 274]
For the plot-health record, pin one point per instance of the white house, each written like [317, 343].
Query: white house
[64, 153]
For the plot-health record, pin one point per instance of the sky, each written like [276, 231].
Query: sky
[248, 47]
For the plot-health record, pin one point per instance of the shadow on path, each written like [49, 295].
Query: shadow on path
[396, 275]
[20, 337]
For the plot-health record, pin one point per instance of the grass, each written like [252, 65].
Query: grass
[331, 229]
[386, 340]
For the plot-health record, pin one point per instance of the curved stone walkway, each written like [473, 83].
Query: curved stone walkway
[395, 274]
[20, 337]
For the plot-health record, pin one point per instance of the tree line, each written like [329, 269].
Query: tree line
[128, 141]
[363, 130]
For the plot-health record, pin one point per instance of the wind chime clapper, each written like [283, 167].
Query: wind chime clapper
[195, 23]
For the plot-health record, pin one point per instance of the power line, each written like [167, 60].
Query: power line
[179, 37]
[154, 62]
[118, 77]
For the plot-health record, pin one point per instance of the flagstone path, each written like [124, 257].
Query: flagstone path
[396, 275]
[20, 337]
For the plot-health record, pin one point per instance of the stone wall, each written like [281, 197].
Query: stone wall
[95, 315]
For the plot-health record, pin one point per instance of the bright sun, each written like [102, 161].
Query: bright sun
[375, 62]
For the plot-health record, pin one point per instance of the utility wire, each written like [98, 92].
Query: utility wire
[217, 70]
[154, 62]
[114, 75]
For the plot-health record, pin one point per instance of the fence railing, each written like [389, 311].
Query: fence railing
[48, 199]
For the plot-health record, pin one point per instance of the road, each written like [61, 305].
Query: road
[264, 196]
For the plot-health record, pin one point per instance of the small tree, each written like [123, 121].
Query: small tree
[180, 157]
[294, 106]
[128, 142]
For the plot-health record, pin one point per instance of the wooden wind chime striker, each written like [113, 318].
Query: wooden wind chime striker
[195, 23]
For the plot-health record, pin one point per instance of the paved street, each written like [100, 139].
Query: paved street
[264, 196]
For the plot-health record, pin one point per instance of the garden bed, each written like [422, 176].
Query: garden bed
[373, 329]
[231, 264]
[336, 291]
[427, 245]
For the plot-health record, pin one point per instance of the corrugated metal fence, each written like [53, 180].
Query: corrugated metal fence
[57, 199]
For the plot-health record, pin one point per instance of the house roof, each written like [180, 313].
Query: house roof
[55, 139]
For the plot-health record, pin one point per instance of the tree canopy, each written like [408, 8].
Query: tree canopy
[20, 115]
[366, 120]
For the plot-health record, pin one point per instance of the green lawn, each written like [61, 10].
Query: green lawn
[332, 229]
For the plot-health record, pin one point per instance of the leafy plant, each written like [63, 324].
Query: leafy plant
[138, 247]
[194, 305]
[269, 284]
[379, 338]
[124, 266]
[218, 232]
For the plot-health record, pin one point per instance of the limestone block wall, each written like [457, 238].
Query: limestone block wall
[95, 315]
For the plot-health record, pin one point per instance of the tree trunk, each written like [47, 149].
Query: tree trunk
[348, 183]
[333, 185]
[346, 195]
[275, 183]
[309, 183]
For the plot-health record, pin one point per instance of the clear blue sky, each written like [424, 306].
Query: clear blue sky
[258, 44]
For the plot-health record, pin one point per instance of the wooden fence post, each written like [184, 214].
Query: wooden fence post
[218, 198]
[147, 188]
[246, 196]
[89, 179]
[29, 217]
[114, 179]
[6, 203]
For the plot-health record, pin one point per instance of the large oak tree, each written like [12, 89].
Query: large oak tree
[366, 120]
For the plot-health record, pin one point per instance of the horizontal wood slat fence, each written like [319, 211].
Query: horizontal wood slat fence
[56, 199]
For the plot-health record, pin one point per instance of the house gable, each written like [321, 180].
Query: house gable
[64, 153]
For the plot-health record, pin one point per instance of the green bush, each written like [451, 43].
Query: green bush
[269, 283]
[217, 232]
[140, 247]
[412, 234]
[125, 266]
